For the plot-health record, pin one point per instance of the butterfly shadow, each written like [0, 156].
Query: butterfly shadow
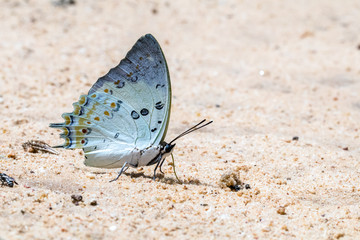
[168, 180]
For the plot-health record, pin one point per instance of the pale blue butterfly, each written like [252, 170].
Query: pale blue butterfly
[124, 118]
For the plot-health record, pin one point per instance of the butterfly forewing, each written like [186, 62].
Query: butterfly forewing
[129, 106]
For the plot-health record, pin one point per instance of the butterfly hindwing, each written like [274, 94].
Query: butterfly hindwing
[127, 108]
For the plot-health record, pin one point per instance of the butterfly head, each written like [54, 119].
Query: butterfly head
[169, 148]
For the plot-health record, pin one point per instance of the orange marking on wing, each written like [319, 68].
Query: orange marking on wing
[67, 119]
[82, 100]
[65, 131]
[106, 90]
[107, 113]
[67, 142]
[82, 121]
[77, 109]
[97, 118]
[113, 105]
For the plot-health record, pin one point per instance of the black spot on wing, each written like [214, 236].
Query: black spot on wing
[159, 105]
[82, 111]
[144, 112]
[135, 115]
[121, 84]
[159, 85]
[118, 103]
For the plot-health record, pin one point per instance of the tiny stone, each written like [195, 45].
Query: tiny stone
[11, 155]
[247, 186]
[295, 138]
[339, 235]
[76, 198]
[93, 203]
[281, 211]
[236, 188]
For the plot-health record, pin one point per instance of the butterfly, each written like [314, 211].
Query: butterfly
[123, 120]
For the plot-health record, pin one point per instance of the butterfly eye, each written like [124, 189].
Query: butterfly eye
[168, 148]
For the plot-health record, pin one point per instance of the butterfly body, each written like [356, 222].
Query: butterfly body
[124, 117]
[114, 156]
[123, 120]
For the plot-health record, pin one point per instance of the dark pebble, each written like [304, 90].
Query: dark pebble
[76, 198]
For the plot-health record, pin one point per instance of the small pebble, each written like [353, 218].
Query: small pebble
[236, 188]
[281, 211]
[295, 138]
[76, 198]
[93, 203]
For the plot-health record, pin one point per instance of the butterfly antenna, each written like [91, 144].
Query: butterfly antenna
[192, 129]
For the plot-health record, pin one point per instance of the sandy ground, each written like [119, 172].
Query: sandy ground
[264, 71]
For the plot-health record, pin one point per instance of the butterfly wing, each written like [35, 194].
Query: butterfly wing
[127, 108]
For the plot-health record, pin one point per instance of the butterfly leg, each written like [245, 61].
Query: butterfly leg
[158, 160]
[123, 169]
[161, 165]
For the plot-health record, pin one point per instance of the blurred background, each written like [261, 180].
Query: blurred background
[270, 57]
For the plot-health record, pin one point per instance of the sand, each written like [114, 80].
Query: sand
[263, 71]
